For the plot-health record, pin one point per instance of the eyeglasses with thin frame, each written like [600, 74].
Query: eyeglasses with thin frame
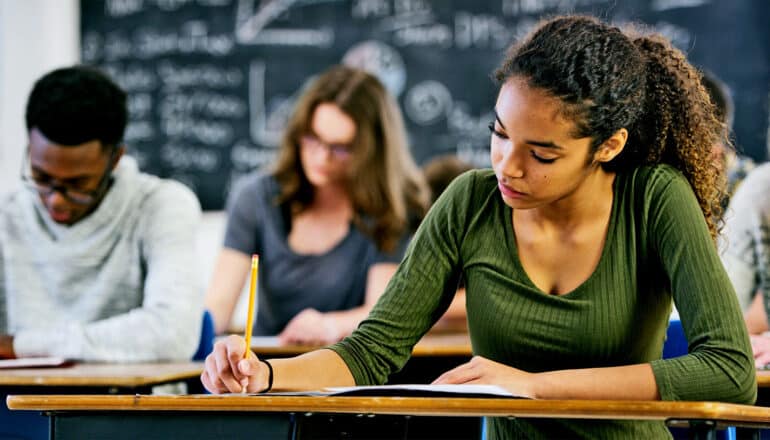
[339, 152]
[75, 195]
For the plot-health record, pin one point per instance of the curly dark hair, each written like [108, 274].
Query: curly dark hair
[609, 79]
[78, 104]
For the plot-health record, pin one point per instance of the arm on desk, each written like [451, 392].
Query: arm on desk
[226, 370]
[756, 315]
[631, 382]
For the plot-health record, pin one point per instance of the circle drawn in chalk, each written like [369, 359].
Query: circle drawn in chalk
[427, 102]
[380, 60]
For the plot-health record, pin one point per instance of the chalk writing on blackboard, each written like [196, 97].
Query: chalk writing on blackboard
[211, 83]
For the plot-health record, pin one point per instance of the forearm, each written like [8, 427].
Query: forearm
[346, 321]
[141, 335]
[310, 371]
[756, 316]
[455, 318]
[631, 382]
[230, 272]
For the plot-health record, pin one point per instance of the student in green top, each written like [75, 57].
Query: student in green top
[600, 209]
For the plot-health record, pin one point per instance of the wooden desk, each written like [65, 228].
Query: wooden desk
[88, 379]
[115, 376]
[75, 416]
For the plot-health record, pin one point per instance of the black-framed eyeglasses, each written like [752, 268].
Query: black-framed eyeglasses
[75, 195]
[340, 152]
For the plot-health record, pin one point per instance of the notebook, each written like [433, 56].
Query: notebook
[35, 362]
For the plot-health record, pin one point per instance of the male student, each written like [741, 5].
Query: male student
[96, 258]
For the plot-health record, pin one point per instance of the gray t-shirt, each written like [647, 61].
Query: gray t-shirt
[290, 282]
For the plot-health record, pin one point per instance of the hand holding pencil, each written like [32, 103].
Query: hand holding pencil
[227, 371]
[232, 367]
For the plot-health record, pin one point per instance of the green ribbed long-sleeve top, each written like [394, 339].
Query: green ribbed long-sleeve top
[657, 248]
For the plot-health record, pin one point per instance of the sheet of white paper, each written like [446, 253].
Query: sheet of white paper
[490, 390]
[264, 341]
[407, 390]
[33, 362]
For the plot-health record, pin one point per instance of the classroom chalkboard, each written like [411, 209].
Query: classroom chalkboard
[211, 82]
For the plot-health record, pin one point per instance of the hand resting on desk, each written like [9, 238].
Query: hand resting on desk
[310, 327]
[760, 345]
[482, 371]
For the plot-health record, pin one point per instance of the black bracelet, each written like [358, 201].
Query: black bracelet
[269, 376]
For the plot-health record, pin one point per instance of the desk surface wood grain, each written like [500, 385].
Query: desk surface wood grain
[99, 375]
[424, 406]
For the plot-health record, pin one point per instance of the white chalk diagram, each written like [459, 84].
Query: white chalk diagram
[425, 103]
[382, 61]
[251, 25]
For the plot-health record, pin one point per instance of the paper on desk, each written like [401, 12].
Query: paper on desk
[408, 390]
[34, 362]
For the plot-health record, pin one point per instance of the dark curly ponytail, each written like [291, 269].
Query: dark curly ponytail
[608, 80]
[682, 124]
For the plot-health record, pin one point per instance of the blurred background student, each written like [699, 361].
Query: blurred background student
[97, 259]
[330, 221]
[736, 166]
[746, 255]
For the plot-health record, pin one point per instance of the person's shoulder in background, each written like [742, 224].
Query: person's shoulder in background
[737, 167]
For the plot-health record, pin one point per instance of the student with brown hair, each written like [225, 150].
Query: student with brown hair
[599, 211]
[330, 221]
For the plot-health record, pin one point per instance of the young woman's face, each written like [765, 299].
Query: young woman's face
[536, 159]
[325, 150]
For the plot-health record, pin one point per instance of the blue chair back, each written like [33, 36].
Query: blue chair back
[206, 344]
[675, 346]
[676, 342]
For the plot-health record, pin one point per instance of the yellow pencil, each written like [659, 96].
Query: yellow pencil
[252, 294]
